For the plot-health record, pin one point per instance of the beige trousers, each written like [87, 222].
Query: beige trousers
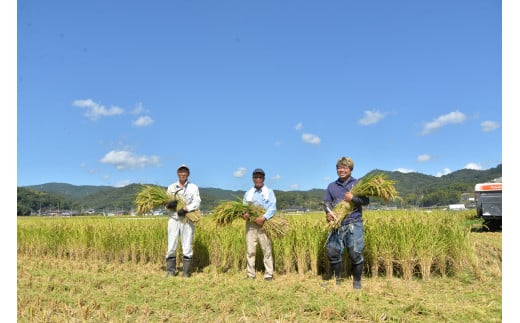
[254, 235]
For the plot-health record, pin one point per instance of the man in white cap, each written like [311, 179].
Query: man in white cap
[179, 224]
[259, 194]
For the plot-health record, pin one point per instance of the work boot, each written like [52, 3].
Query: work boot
[171, 263]
[186, 264]
[357, 271]
[336, 270]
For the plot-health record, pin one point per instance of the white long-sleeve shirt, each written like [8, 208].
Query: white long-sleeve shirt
[189, 193]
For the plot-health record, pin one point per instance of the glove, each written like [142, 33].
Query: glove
[181, 212]
[172, 205]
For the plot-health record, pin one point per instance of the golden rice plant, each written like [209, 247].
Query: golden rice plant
[227, 211]
[372, 185]
[152, 197]
[401, 243]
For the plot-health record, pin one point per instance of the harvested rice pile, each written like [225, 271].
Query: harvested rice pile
[227, 211]
[373, 185]
[152, 197]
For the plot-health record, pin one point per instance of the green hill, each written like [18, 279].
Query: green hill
[415, 189]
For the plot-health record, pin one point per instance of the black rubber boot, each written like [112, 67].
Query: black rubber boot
[357, 271]
[336, 270]
[186, 264]
[171, 263]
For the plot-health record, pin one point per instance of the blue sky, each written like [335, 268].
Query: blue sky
[120, 92]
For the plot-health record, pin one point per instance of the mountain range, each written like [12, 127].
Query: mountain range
[414, 188]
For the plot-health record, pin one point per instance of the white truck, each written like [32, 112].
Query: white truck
[488, 201]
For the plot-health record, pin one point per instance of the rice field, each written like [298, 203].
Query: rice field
[420, 266]
[402, 244]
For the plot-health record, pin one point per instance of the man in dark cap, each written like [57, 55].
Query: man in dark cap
[263, 196]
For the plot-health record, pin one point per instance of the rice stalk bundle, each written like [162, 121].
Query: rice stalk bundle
[194, 215]
[373, 185]
[376, 185]
[227, 211]
[277, 226]
[152, 197]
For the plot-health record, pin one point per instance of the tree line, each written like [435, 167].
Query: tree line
[415, 190]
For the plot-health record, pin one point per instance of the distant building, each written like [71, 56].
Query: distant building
[456, 207]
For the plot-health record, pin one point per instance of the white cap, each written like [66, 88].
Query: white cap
[183, 166]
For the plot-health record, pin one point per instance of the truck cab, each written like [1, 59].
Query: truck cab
[488, 201]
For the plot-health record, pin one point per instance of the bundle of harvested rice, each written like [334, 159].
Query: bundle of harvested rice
[194, 216]
[373, 185]
[227, 211]
[277, 226]
[152, 197]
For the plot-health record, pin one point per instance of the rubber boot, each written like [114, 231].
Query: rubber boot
[171, 263]
[357, 271]
[186, 264]
[336, 270]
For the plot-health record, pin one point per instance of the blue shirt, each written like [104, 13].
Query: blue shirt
[268, 202]
[335, 193]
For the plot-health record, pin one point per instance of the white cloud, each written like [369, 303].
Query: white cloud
[298, 126]
[404, 170]
[139, 109]
[94, 110]
[240, 172]
[450, 118]
[488, 126]
[423, 158]
[143, 121]
[123, 160]
[310, 139]
[294, 187]
[276, 177]
[445, 171]
[473, 166]
[371, 117]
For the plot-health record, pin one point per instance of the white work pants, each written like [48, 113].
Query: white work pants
[179, 226]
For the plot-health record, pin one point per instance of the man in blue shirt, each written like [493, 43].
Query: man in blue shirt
[351, 233]
[259, 194]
